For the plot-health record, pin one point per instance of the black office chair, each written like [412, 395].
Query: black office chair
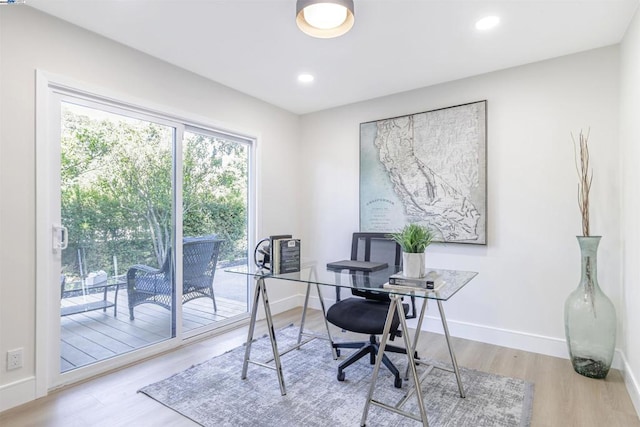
[367, 315]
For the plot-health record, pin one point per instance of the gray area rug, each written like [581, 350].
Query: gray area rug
[212, 393]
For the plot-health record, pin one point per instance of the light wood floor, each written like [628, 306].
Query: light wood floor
[562, 397]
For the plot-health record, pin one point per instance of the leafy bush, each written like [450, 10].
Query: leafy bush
[116, 192]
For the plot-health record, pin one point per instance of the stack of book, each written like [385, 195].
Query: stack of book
[285, 254]
[431, 281]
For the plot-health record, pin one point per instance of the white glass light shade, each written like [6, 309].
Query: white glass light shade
[325, 15]
[324, 18]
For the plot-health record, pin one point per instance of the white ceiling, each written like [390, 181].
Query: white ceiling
[255, 47]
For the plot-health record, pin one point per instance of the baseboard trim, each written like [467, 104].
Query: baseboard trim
[631, 381]
[534, 343]
[549, 346]
[281, 305]
[17, 393]
[499, 336]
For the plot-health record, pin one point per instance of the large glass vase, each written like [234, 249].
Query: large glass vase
[590, 318]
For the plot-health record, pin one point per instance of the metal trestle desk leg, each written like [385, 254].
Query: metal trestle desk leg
[261, 289]
[396, 306]
[454, 362]
[452, 355]
[301, 332]
[416, 337]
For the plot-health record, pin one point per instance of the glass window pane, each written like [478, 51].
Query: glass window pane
[215, 203]
[116, 202]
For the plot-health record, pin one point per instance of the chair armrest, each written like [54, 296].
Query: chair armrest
[140, 271]
[143, 268]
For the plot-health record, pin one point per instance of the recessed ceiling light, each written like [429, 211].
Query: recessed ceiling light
[305, 78]
[487, 22]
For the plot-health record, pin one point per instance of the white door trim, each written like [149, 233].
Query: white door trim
[47, 322]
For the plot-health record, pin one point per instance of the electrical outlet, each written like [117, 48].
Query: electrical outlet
[14, 359]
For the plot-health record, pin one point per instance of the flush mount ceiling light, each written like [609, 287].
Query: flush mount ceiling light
[324, 18]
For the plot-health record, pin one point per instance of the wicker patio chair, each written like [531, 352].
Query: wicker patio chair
[151, 285]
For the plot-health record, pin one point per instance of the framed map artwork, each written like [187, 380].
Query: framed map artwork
[427, 168]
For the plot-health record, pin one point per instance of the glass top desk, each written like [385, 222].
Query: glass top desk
[447, 283]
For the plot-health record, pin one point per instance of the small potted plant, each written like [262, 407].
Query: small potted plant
[413, 239]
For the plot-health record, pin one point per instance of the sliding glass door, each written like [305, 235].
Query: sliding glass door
[116, 203]
[215, 204]
[146, 213]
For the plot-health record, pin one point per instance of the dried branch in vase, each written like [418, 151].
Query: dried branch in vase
[585, 174]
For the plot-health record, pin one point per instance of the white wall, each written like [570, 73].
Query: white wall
[30, 40]
[532, 260]
[630, 228]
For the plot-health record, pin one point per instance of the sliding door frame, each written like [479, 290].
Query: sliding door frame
[52, 89]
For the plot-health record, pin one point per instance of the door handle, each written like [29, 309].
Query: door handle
[60, 237]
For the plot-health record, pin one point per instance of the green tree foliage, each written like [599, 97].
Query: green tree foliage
[215, 191]
[116, 189]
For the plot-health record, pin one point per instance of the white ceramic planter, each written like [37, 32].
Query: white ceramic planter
[413, 265]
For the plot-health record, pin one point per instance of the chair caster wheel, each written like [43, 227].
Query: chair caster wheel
[341, 376]
[397, 383]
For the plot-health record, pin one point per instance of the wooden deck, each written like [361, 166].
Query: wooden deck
[92, 336]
